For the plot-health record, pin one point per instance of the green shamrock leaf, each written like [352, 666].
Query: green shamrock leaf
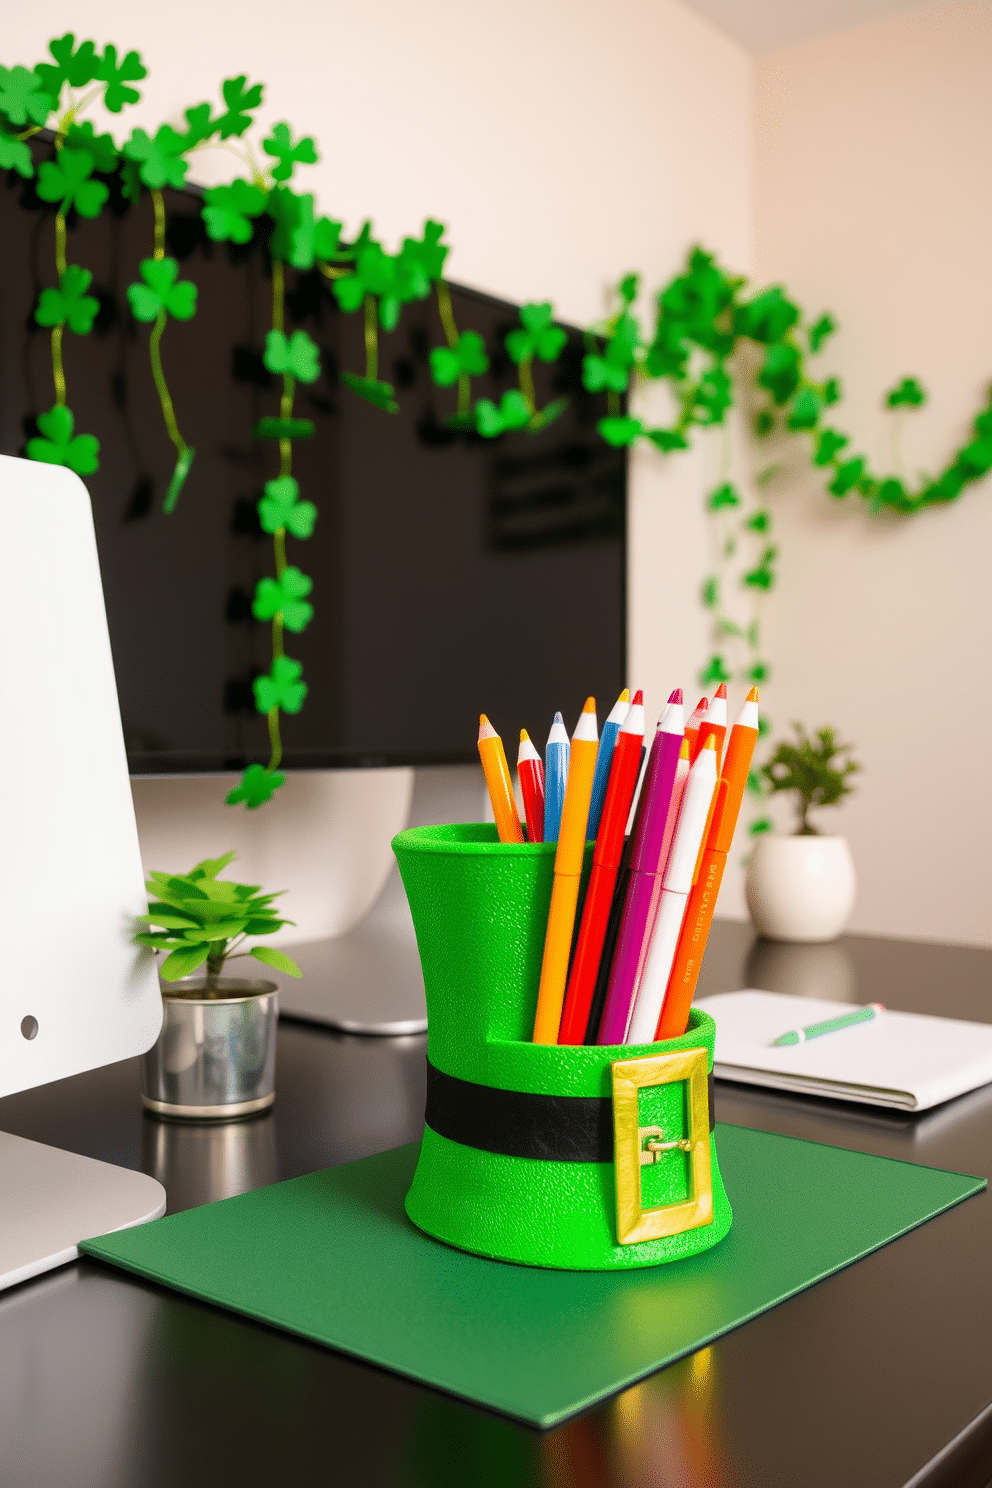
[805, 410]
[285, 597]
[847, 476]
[711, 593]
[295, 231]
[199, 125]
[257, 786]
[131, 70]
[287, 155]
[75, 67]
[629, 287]
[15, 155]
[600, 372]
[666, 440]
[828, 445]
[764, 422]
[67, 180]
[536, 336]
[830, 391]
[69, 304]
[696, 302]
[723, 497]
[282, 688]
[620, 432]
[763, 824]
[714, 671]
[296, 356]
[759, 578]
[279, 428]
[514, 412]
[100, 146]
[58, 447]
[714, 395]
[161, 291]
[227, 210]
[759, 521]
[819, 331]
[767, 317]
[379, 394]
[759, 672]
[668, 354]
[326, 238]
[240, 100]
[159, 160]
[467, 358]
[780, 372]
[23, 96]
[426, 255]
[907, 394]
[279, 508]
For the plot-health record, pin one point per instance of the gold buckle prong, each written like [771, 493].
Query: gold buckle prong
[637, 1146]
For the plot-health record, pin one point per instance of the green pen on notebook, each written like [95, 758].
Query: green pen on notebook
[846, 1020]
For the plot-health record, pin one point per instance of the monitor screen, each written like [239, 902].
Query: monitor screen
[451, 574]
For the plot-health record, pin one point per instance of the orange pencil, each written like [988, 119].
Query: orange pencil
[568, 870]
[692, 727]
[713, 724]
[709, 872]
[498, 782]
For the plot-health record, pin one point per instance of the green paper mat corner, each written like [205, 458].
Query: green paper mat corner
[332, 1257]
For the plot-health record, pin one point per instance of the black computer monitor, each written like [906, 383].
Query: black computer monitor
[452, 574]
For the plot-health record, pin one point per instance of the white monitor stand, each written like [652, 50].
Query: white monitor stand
[75, 992]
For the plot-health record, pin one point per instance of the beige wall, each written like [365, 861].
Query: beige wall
[874, 198]
[565, 142]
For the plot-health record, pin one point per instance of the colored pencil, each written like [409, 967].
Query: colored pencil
[498, 782]
[680, 869]
[714, 723]
[555, 777]
[568, 871]
[692, 727]
[607, 744]
[610, 838]
[646, 865]
[703, 896]
[530, 773]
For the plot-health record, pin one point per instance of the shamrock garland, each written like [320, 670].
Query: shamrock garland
[703, 316]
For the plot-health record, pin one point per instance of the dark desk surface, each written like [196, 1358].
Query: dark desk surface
[880, 1375]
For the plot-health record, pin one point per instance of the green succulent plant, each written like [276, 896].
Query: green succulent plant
[205, 920]
[814, 768]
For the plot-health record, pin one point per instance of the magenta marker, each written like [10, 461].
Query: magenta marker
[647, 866]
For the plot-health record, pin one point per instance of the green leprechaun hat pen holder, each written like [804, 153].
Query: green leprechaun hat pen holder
[581, 1158]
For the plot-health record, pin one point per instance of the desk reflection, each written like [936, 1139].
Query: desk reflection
[823, 971]
[200, 1161]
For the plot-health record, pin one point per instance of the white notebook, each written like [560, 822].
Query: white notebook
[906, 1060]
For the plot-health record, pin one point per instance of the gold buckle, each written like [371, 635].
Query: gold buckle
[635, 1146]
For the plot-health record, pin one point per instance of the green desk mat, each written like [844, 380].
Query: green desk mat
[332, 1256]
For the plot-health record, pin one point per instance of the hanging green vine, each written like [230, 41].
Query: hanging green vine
[712, 337]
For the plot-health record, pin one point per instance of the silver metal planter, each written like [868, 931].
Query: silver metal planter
[216, 1055]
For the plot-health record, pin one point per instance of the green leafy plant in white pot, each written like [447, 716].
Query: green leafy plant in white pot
[215, 1056]
[802, 887]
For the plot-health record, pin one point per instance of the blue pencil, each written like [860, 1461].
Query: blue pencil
[604, 759]
[555, 777]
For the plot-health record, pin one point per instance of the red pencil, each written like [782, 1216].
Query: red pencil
[624, 769]
[714, 724]
[530, 772]
[692, 727]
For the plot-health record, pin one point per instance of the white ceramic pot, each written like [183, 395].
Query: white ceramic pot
[800, 888]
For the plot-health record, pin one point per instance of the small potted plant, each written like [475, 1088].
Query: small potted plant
[802, 887]
[215, 1057]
